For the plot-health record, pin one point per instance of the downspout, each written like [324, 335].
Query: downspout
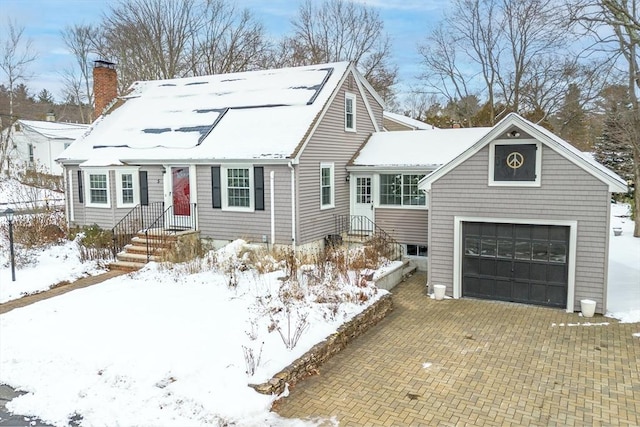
[272, 176]
[293, 206]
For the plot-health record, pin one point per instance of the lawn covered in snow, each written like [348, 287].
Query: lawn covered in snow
[169, 346]
[45, 267]
[165, 347]
[623, 294]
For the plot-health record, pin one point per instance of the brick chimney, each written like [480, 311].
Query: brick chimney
[105, 85]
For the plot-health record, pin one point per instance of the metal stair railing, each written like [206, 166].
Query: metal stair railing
[365, 230]
[177, 217]
[133, 222]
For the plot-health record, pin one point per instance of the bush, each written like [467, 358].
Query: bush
[95, 242]
[36, 229]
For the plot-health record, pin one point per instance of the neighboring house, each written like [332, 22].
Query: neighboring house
[39, 143]
[510, 212]
[259, 155]
[521, 215]
[394, 122]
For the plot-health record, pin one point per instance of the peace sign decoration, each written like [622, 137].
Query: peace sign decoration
[515, 160]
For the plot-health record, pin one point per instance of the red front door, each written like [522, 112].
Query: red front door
[181, 193]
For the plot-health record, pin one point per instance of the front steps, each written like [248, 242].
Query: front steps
[134, 255]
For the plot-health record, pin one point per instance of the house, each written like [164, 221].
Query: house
[394, 122]
[38, 143]
[297, 156]
[259, 155]
[521, 215]
[384, 176]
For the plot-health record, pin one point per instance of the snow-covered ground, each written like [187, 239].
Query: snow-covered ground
[50, 265]
[162, 347]
[18, 196]
[623, 296]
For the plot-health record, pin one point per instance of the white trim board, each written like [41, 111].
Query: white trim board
[571, 265]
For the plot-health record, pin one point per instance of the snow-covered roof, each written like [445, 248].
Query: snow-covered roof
[407, 121]
[250, 115]
[416, 148]
[54, 130]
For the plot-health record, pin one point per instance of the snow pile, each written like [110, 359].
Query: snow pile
[623, 296]
[161, 347]
[48, 266]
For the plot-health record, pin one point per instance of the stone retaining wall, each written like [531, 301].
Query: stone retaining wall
[309, 363]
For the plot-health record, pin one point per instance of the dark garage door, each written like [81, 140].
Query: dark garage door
[515, 262]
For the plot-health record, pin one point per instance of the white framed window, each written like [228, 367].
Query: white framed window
[515, 163]
[237, 188]
[401, 190]
[127, 188]
[327, 187]
[349, 112]
[31, 156]
[97, 192]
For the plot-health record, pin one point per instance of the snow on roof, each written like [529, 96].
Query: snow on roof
[417, 148]
[408, 121]
[54, 130]
[249, 115]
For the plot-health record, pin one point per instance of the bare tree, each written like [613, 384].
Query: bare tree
[340, 30]
[622, 43]
[149, 39]
[79, 39]
[227, 40]
[446, 73]
[504, 50]
[15, 57]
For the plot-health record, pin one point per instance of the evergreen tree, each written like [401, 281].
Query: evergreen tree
[613, 148]
[45, 97]
[571, 119]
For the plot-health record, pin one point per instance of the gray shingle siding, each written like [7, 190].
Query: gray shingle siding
[409, 226]
[330, 143]
[567, 192]
[221, 224]
[107, 217]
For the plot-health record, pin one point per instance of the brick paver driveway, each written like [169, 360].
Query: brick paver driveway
[472, 362]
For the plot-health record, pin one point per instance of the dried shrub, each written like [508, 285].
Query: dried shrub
[95, 242]
[34, 230]
[186, 248]
[251, 360]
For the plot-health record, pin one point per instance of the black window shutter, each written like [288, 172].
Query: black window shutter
[144, 188]
[216, 196]
[80, 188]
[258, 187]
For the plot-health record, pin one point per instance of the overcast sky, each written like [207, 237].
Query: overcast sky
[406, 21]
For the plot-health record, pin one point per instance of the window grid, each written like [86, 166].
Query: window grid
[349, 113]
[391, 190]
[363, 190]
[238, 188]
[401, 190]
[412, 196]
[325, 185]
[98, 188]
[127, 188]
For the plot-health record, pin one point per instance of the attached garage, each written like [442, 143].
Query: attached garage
[521, 216]
[516, 262]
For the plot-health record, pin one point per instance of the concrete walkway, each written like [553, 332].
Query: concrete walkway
[473, 362]
[59, 290]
